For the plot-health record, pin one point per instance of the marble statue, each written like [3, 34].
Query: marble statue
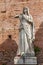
[26, 54]
[27, 33]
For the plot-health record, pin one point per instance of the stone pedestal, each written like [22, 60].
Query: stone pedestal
[26, 60]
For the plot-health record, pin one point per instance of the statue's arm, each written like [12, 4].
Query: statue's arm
[17, 16]
[28, 18]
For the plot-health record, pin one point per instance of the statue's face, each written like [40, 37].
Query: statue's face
[25, 11]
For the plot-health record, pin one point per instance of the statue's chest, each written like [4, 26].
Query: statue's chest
[26, 24]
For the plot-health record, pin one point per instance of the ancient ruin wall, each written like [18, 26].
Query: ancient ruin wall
[10, 25]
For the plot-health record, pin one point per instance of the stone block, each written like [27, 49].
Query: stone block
[26, 60]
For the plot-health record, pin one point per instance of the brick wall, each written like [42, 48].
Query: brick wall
[9, 25]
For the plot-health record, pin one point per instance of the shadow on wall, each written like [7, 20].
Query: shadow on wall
[8, 49]
[39, 43]
[39, 37]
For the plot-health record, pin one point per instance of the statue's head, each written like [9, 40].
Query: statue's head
[26, 10]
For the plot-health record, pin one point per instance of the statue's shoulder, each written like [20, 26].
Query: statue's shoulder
[20, 16]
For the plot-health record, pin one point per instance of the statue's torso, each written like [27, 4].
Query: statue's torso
[26, 26]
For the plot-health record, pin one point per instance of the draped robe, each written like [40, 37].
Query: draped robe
[27, 33]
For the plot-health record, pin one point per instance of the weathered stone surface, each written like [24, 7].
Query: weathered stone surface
[27, 60]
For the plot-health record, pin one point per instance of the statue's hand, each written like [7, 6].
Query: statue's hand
[17, 16]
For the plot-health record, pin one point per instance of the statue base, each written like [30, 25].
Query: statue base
[25, 60]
